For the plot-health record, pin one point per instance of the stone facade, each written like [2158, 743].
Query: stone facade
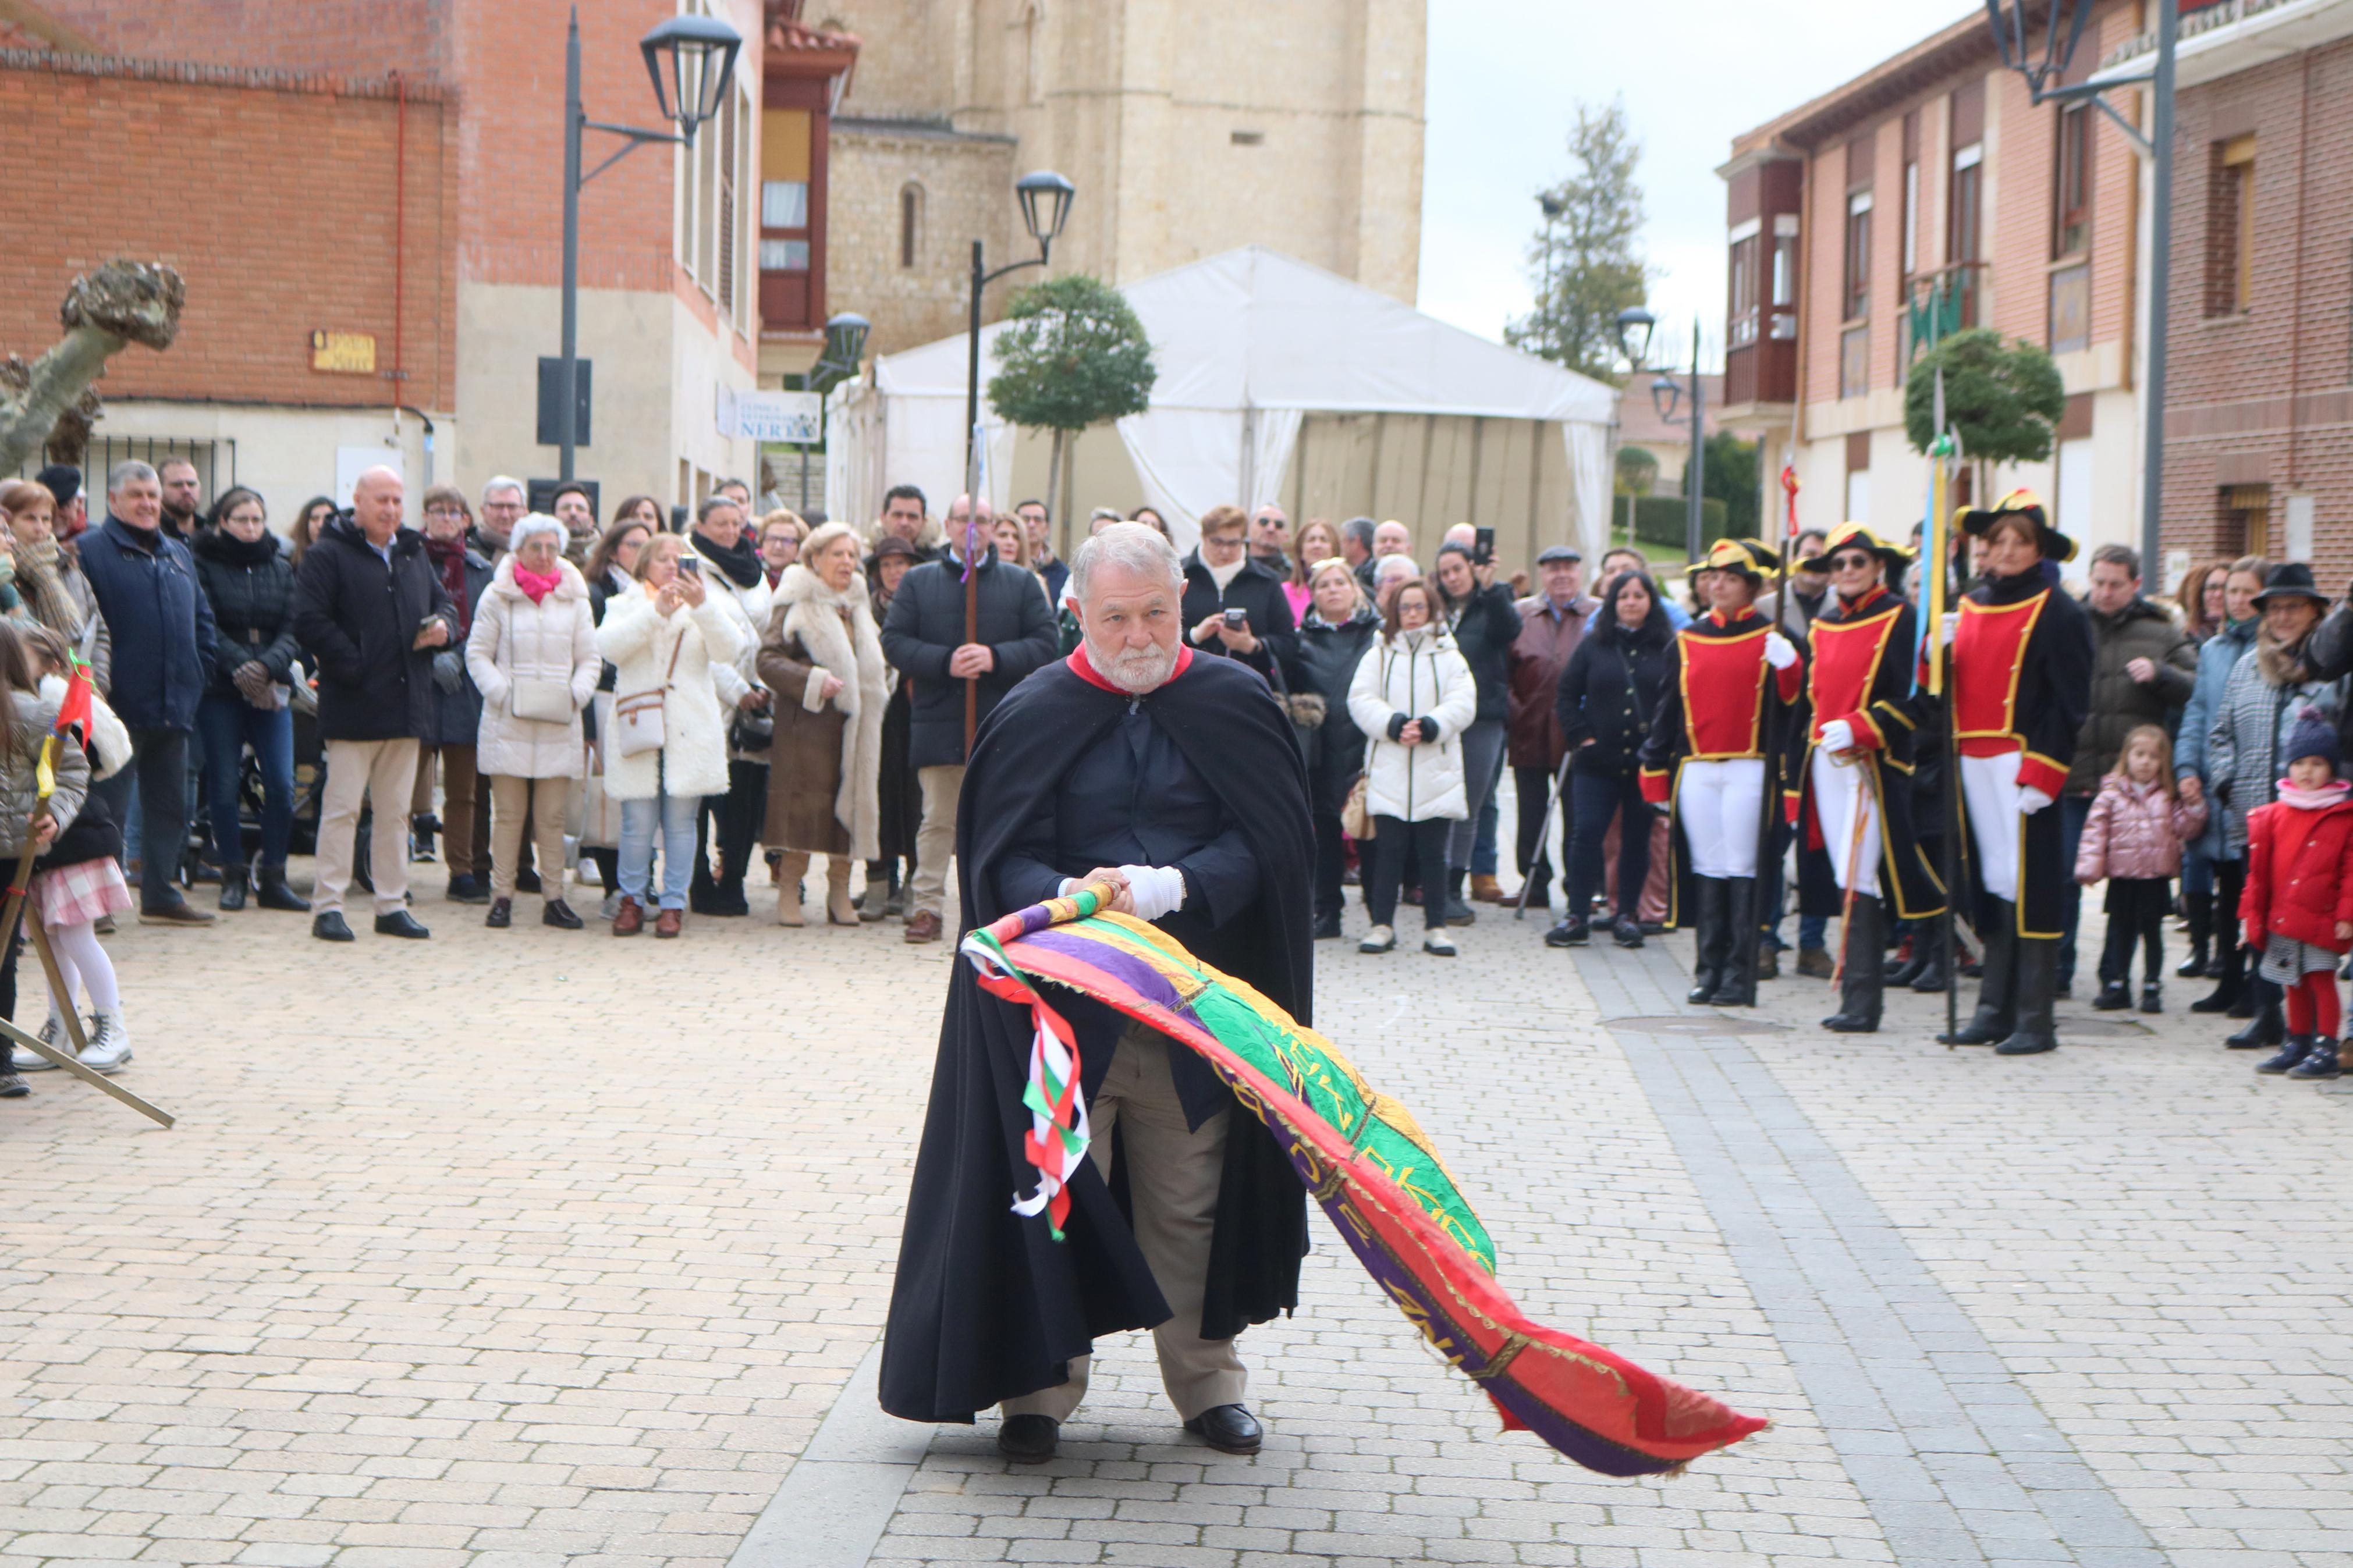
[1297, 126]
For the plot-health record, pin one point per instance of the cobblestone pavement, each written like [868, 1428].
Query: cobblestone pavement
[530, 1249]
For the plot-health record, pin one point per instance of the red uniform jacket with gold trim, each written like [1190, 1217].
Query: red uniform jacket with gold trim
[2022, 661]
[1715, 707]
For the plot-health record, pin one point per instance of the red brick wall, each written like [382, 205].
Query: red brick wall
[275, 204]
[285, 34]
[2230, 418]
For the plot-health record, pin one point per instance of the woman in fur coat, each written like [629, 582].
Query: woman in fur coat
[669, 637]
[822, 657]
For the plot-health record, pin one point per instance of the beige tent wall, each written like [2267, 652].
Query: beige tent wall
[1427, 471]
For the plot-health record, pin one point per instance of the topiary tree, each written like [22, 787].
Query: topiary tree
[2003, 401]
[1074, 355]
[49, 404]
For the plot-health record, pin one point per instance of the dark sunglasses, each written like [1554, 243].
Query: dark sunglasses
[1847, 562]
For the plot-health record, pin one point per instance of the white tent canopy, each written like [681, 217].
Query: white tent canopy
[1246, 344]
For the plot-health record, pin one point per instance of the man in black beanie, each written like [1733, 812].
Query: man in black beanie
[63, 481]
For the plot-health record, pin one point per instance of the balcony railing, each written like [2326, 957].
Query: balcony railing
[1938, 304]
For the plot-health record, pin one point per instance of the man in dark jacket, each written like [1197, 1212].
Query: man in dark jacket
[2146, 669]
[924, 639]
[1221, 577]
[369, 604]
[145, 583]
[1552, 622]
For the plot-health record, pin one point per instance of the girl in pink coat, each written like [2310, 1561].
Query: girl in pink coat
[2133, 839]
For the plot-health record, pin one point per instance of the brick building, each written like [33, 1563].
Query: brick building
[387, 172]
[2259, 388]
[1933, 184]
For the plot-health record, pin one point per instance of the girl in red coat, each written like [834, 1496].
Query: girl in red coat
[2298, 905]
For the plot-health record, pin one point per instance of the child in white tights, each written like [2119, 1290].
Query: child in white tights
[78, 882]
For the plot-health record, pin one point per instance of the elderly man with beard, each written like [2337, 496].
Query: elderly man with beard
[1172, 777]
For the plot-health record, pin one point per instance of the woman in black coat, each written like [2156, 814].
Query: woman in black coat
[250, 582]
[1485, 623]
[1613, 686]
[1332, 638]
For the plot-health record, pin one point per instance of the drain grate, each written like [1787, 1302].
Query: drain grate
[1695, 1024]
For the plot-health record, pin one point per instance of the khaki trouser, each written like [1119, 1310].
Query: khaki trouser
[1172, 1181]
[543, 801]
[382, 770]
[465, 804]
[935, 840]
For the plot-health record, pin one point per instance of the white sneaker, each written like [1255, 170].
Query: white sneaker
[53, 1033]
[1381, 939]
[1439, 944]
[109, 1042]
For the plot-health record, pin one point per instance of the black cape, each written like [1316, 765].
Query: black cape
[987, 1305]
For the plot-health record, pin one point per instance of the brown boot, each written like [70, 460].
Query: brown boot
[923, 925]
[790, 869]
[838, 909]
[631, 920]
[1486, 891]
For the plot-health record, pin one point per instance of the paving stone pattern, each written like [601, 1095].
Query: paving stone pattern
[530, 1249]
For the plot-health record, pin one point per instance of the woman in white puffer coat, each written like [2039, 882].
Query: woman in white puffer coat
[1413, 696]
[669, 637]
[532, 654]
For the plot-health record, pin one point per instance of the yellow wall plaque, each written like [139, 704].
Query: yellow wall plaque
[348, 353]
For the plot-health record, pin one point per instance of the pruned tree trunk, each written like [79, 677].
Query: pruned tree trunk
[120, 302]
[1054, 492]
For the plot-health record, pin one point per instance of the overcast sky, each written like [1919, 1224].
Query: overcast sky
[1505, 76]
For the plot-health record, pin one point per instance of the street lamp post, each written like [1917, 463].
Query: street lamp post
[1635, 326]
[691, 59]
[1045, 198]
[2045, 62]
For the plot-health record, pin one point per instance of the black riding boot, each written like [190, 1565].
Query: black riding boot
[2199, 910]
[1931, 974]
[1861, 990]
[2229, 991]
[1709, 931]
[1737, 988]
[275, 895]
[2037, 968]
[1997, 1013]
[2267, 1022]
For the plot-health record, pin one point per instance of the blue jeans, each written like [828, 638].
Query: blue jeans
[159, 775]
[1594, 799]
[675, 813]
[227, 725]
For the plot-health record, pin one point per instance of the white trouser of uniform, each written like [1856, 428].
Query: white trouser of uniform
[1839, 792]
[1718, 803]
[1989, 786]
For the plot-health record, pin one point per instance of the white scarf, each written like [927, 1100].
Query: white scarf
[852, 654]
[1223, 576]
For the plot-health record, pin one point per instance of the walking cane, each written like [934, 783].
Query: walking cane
[10, 913]
[1544, 838]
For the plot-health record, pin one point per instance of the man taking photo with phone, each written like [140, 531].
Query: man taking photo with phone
[1234, 605]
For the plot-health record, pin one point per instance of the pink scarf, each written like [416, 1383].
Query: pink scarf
[2313, 799]
[533, 583]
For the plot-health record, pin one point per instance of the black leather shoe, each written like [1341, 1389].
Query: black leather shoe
[2115, 997]
[2254, 1037]
[1228, 1428]
[400, 923]
[467, 888]
[330, 927]
[1029, 1439]
[1627, 933]
[501, 914]
[559, 914]
[1328, 928]
[232, 893]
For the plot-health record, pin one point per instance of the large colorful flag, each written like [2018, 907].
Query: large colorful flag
[1360, 1152]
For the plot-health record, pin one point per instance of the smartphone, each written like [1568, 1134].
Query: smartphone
[1482, 546]
[689, 563]
[1237, 619]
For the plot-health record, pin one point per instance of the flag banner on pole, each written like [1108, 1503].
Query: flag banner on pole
[1361, 1154]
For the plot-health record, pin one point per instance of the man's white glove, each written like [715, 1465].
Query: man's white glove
[1156, 891]
[1949, 623]
[1838, 736]
[2031, 800]
[1779, 651]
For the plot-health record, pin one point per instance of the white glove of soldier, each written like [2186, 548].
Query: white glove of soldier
[2031, 800]
[1156, 891]
[1838, 736]
[1949, 623]
[1779, 651]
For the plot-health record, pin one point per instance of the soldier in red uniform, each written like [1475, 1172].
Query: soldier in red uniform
[1853, 760]
[1707, 755]
[2021, 681]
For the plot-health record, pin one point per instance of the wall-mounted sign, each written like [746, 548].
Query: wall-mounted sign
[343, 354]
[792, 419]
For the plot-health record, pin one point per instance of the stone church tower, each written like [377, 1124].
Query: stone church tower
[1187, 131]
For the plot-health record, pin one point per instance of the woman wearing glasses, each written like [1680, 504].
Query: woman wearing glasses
[1853, 760]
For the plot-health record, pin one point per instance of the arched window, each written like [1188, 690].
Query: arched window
[910, 222]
